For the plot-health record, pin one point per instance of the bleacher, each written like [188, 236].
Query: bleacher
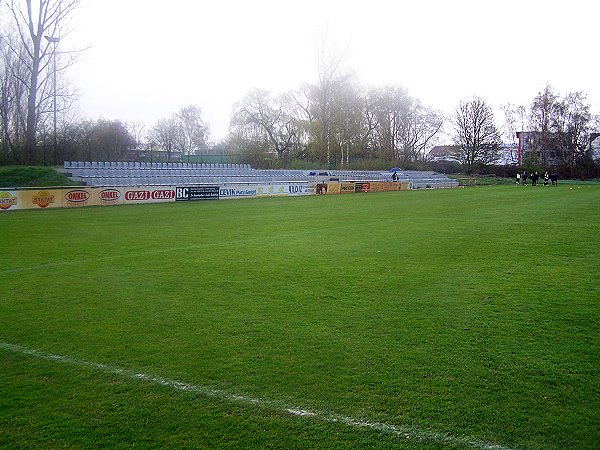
[123, 173]
[424, 179]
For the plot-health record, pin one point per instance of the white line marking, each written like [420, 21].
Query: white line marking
[404, 431]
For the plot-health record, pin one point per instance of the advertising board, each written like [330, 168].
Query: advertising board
[79, 197]
[148, 195]
[333, 188]
[191, 193]
[237, 191]
[264, 190]
[362, 187]
[40, 198]
[295, 189]
[347, 188]
[110, 196]
[9, 200]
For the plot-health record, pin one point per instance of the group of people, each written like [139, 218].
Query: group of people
[548, 178]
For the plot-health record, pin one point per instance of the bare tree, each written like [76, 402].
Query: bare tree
[347, 125]
[476, 134]
[540, 121]
[165, 135]
[112, 140]
[405, 128]
[13, 102]
[39, 24]
[323, 96]
[137, 129]
[571, 124]
[193, 131]
[261, 118]
[514, 121]
[390, 104]
[419, 130]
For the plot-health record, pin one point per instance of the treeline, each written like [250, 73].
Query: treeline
[335, 122]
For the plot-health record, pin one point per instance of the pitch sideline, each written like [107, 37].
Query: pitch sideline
[403, 431]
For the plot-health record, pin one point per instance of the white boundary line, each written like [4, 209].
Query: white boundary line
[403, 431]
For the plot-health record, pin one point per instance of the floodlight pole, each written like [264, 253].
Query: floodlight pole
[54, 40]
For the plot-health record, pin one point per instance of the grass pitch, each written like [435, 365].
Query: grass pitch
[429, 319]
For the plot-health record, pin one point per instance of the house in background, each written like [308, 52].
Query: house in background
[444, 153]
[507, 154]
[548, 148]
[544, 147]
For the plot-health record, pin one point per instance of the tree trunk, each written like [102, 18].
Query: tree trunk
[32, 118]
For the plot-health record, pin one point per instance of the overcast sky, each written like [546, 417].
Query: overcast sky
[148, 58]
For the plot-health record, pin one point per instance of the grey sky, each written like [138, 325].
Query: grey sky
[150, 58]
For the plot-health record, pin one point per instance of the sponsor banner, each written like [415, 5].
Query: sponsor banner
[40, 198]
[377, 187]
[392, 185]
[79, 197]
[148, 195]
[9, 200]
[347, 188]
[191, 193]
[362, 187]
[237, 191]
[110, 196]
[268, 190]
[300, 189]
[333, 188]
[87, 196]
[250, 190]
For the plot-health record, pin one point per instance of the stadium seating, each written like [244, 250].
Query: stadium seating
[123, 173]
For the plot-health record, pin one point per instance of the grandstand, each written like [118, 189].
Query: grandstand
[122, 173]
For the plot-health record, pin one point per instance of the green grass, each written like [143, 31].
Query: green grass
[481, 180]
[465, 316]
[25, 176]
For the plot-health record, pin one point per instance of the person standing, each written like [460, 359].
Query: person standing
[524, 178]
[518, 182]
[546, 178]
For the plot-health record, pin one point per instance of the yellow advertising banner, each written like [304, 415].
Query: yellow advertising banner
[60, 198]
[109, 196]
[347, 188]
[74, 198]
[9, 200]
[333, 188]
[378, 187]
[40, 198]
